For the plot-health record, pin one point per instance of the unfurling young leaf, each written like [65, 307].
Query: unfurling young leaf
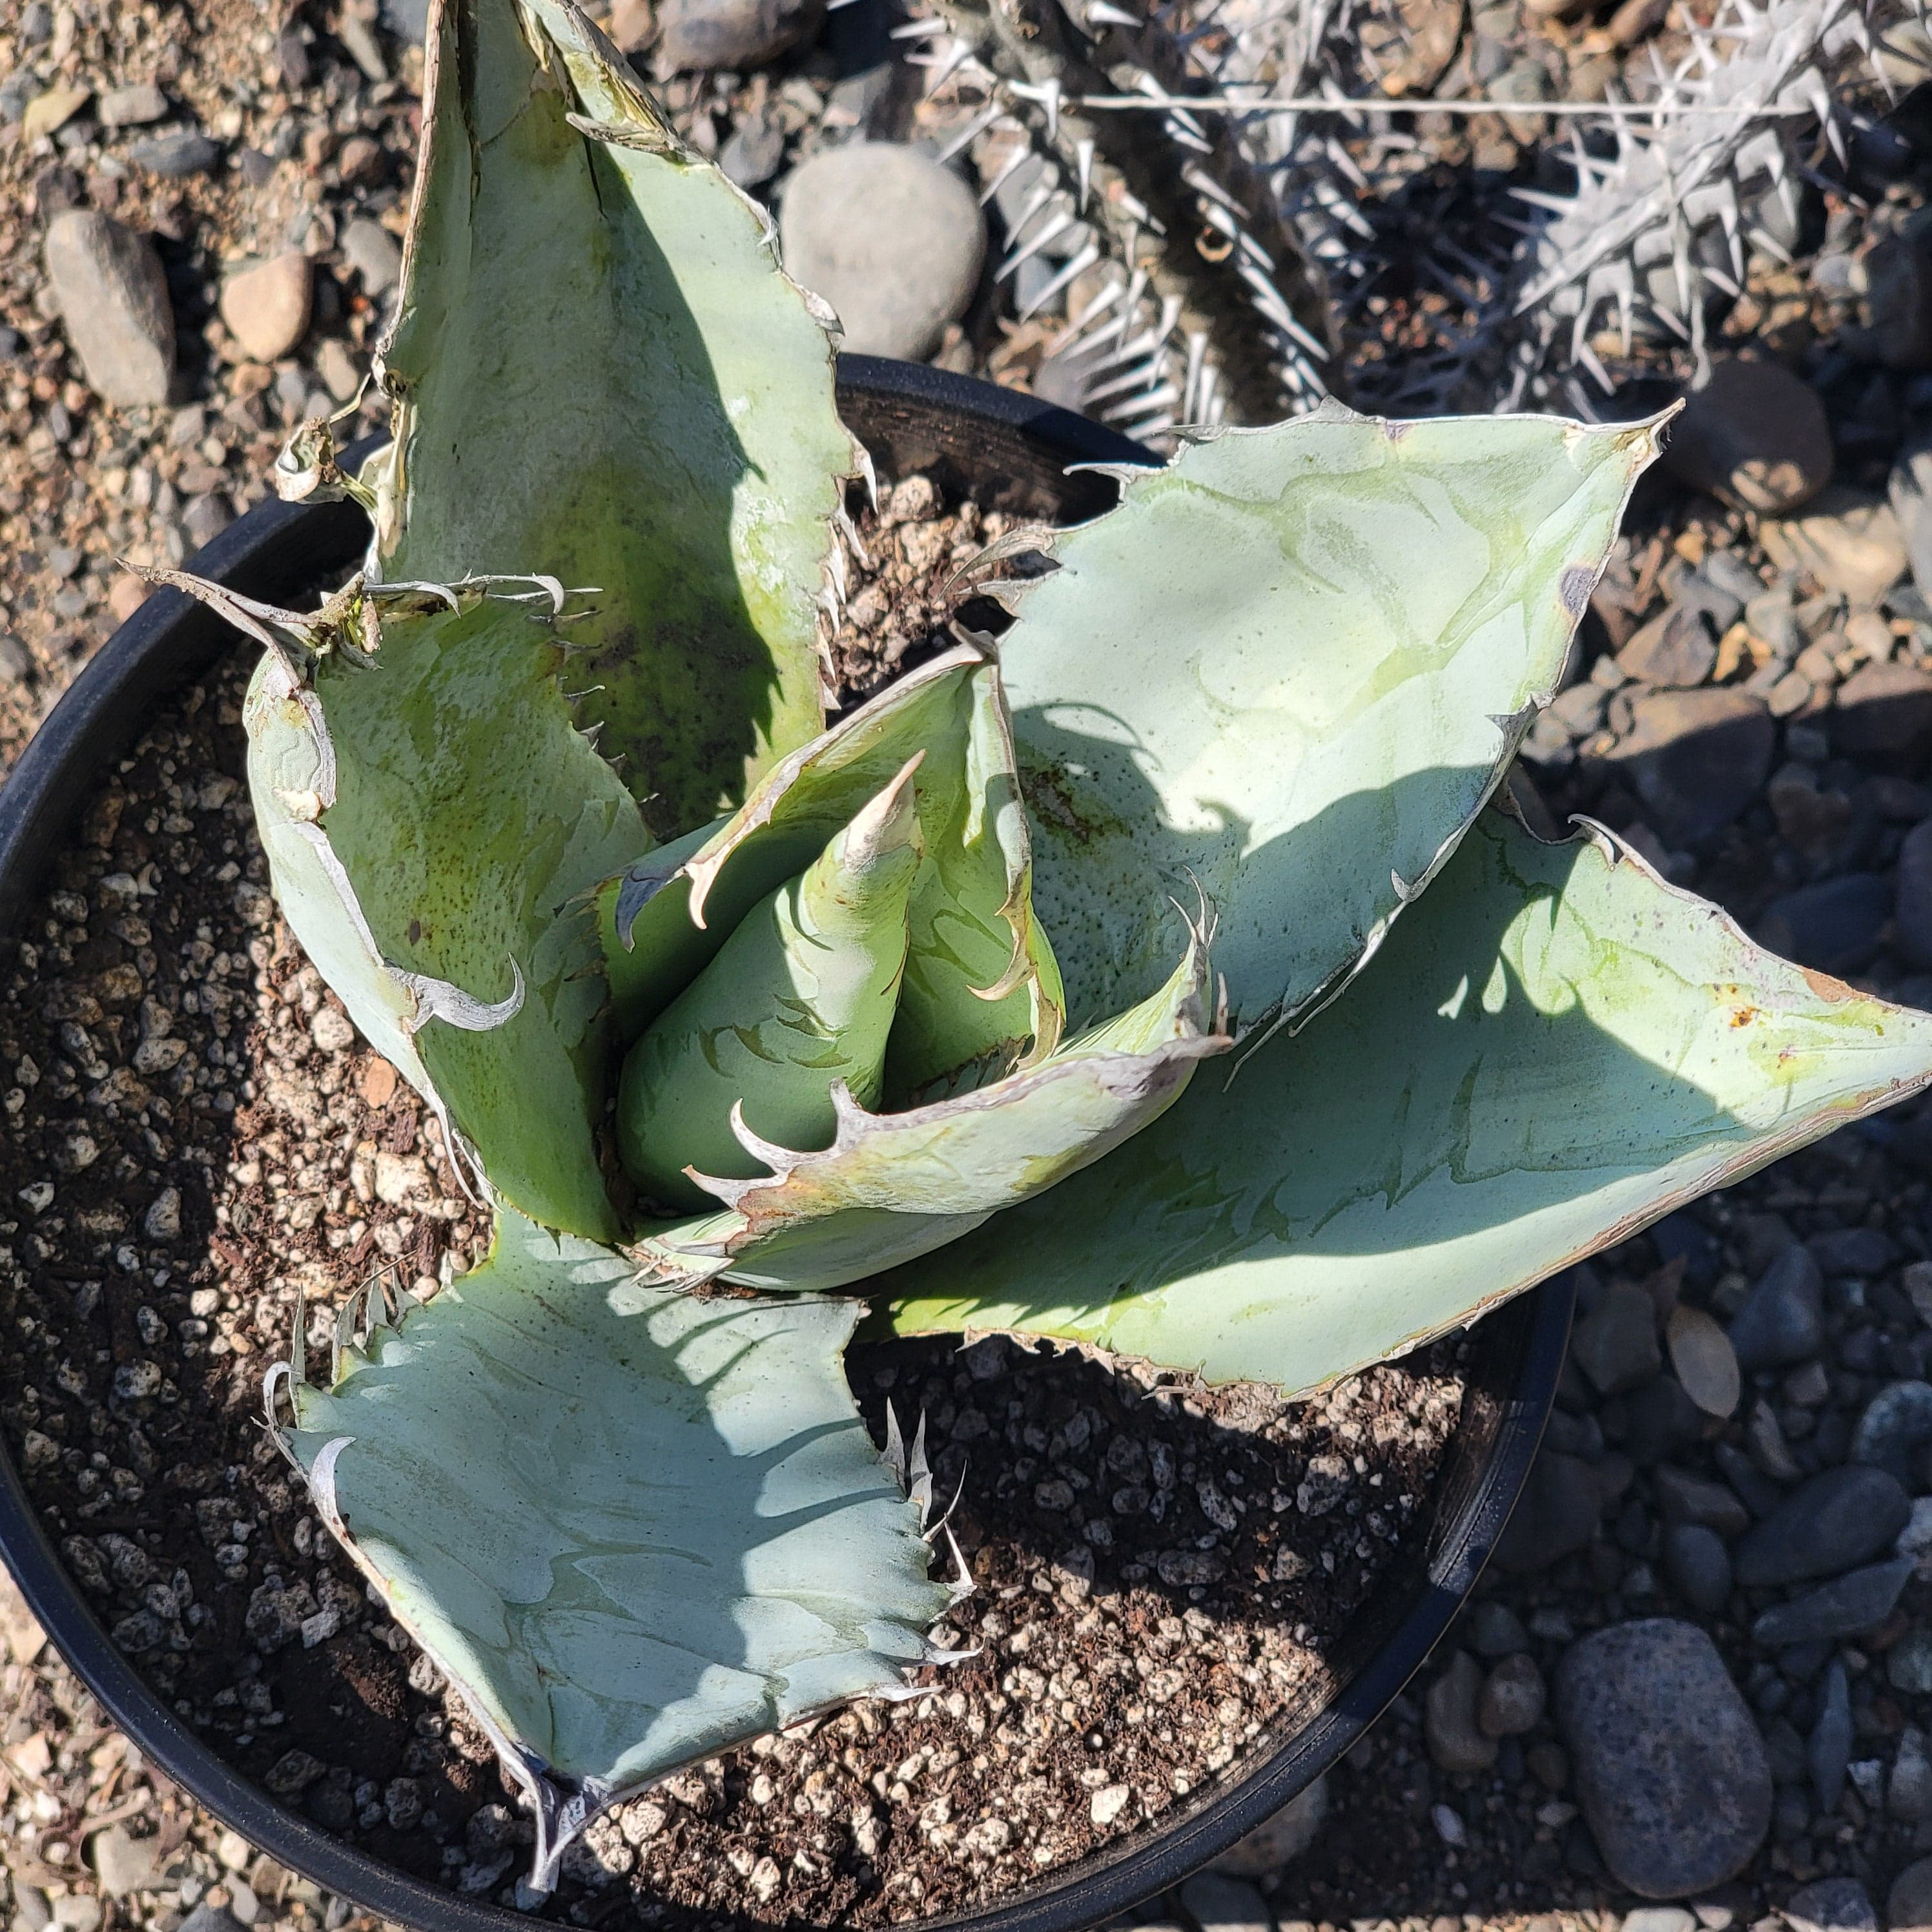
[822, 957]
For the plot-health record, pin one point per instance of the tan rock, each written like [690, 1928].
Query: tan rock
[266, 307]
[1847, 541]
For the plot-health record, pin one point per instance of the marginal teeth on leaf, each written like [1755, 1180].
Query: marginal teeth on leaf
[322, 1484]
[438, 1000]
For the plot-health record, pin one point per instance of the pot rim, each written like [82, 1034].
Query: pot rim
[169, 641]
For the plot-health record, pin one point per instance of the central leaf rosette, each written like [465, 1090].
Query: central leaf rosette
[840, 1019]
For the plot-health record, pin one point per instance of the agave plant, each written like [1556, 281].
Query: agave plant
[1161, 976]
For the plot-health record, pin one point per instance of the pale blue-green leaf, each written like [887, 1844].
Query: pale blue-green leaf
[473, 820]
[893, 1186]
[972, 928]
[633, 1527]
[1287, 670]
[601, 372]
[1551, 1050]
[291, 780]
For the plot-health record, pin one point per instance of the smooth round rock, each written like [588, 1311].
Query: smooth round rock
[1754, 435]
[1897, 1424]
[892, 240]
[1705, 1363]
[1830, 1905]
[1908, 1905]
[113, 299]
[1615, 1344]
[1278, 1841]
[1912, 909]
[1661, 1919]
[266, 307]
[1512, 1698]
[1882, 719]
[1834, 925]
[1218, 1904]
[1457, 1740]
[1782, 1322]
[1669, 1767]
[1698, 1565]
[706, 36]
[1841, 1518]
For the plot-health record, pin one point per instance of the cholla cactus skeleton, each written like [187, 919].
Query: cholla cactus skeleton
[902, 1010]
[1674, 210]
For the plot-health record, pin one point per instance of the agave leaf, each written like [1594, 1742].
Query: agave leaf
[802, 994]
[1291, 665]
[600, 373]
[292, 780]
[891, 1187]
[469, 814]
[633, 1527]
[972, 931]
[1552, 1050]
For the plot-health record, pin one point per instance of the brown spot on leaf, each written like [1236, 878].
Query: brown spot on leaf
[1573, 588]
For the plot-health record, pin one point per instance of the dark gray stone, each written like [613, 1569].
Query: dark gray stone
[1684, 1498]
[1855, 1603]
[1615, 1344]
[1782, 1322]
[1556, 1514]
[1828, 1749]
[1841, 1518]
[708, 35]
[1831, 1905]
[1669, 1768]
[1883, 719]
[1495, 1630]
[1456, 1741]
[1908, 1905]
[1912, 909]
[1833, 924]
[1675, 649]
[1661, 1419]
[1696, 759]
[1698, 1566]
[1755, 435]
[1861, 1251]
[1896, 1425]
[1217, 1903]
[176, 157]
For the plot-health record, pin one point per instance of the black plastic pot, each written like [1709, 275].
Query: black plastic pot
[1007, 449]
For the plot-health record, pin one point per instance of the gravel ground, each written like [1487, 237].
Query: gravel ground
[1751, 706]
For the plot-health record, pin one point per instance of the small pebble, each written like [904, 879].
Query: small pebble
[1698, 1566]
[1457, 1739]
[112, 296]
[266, 307]
[1830, 1905]
[1704, 1361]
